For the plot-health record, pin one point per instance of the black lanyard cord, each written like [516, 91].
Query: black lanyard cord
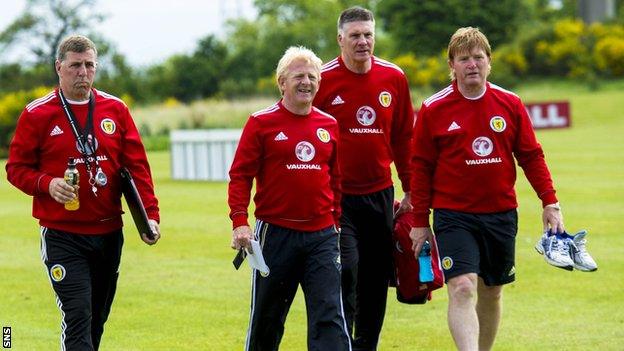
[83, 138]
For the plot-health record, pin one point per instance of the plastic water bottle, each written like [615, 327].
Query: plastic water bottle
[425, 273]
[72, 177]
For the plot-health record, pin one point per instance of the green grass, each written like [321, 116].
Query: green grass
[183, 294]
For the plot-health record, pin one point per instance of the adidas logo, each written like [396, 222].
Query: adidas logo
[338, 100]
[453, 126]
[281, 136]
[56, 131]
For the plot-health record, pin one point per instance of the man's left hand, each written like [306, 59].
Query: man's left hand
[406, 205]
[155, 229]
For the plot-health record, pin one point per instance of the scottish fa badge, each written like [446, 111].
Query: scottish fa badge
[57, 273]
[385, 99]
[108, 126]
[323, 135]
[498, 124]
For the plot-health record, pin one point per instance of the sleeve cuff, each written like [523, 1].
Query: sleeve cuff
[43, 184]
[153, 215]
[549, 198]
[421, 220]
[239, 220]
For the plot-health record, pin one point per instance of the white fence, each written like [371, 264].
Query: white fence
[203, 154]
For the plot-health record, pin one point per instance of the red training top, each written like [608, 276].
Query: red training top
[464, 153]
[376, 119]
[44, 141]
[293, 159]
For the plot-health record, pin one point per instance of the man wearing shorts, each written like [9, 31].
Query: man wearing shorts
[467, 138]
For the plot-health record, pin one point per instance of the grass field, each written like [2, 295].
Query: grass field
[183, 293]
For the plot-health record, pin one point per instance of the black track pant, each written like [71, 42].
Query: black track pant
[309, 259]
[83, 270]
[366, 252]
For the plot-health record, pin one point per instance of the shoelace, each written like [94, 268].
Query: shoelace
[559, 246]
[580, 247]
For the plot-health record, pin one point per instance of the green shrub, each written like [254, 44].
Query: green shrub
[428, 72]
[11, 106]
[609, 56]
[409, 65]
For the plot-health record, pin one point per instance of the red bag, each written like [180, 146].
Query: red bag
[409, 289]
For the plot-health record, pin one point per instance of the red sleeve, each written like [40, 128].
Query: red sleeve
[22, 166]
[401, 139]
[334, 172]
[134, 158]
[530, 157]
[424, 159]
[245, 167]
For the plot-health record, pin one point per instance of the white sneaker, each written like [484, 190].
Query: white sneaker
[581, 258]
[556, 251]
[539, 245]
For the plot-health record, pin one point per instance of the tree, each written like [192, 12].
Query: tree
[256, 46]
[44, 23]
[424, 27]
[190, 77]
[41, 27]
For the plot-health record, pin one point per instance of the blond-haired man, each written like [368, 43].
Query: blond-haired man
[290, 150]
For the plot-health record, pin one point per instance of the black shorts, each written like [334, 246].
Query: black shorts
[477, 243]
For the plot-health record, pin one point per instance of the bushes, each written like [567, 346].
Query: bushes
[568, 48]
[11, 106]
[430, 72]
[572, 49]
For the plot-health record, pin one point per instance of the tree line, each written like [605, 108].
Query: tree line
[242, 62]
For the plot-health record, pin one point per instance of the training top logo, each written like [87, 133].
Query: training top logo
[323, 135]
[482, 146]
[305, 151]
[498, 124]
[385, 99]
[366, 115]
[108, 126]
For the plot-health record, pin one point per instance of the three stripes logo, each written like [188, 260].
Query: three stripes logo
[281, 136]
[338, 101]
[453, 126]
[56, 131]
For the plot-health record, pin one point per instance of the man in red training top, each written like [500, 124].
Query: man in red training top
[290, 150]
[81, 249]
[465, 140]
[370, 99]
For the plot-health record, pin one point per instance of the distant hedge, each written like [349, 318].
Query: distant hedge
[568, 48]
[11, 106]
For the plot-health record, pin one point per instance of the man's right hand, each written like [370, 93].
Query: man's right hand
[62, 192]
[241, 237]
[419, 235]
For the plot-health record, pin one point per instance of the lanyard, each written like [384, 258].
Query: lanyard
[86, 141]
[81, 136]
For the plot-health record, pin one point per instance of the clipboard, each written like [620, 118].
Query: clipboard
[135, 205]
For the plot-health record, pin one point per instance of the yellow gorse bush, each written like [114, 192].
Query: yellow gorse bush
[11, 106]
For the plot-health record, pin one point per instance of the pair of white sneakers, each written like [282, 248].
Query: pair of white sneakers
[566, 251]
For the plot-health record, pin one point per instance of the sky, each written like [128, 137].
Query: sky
[147, 32]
